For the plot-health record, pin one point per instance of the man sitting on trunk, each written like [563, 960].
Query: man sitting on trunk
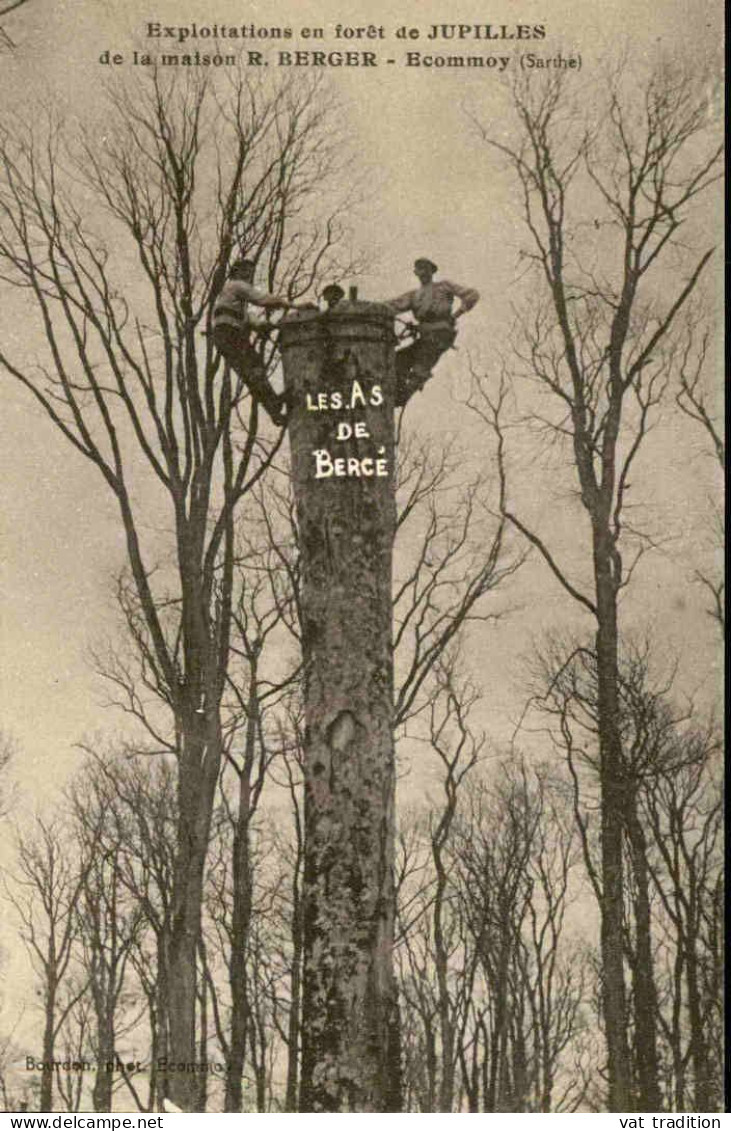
[431, 305]
[233, 329]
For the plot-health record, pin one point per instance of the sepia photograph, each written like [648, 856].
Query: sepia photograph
[362, 604]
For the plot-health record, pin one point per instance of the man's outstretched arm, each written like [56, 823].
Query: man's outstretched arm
[401, 304]
[467, 296]
[252, 294]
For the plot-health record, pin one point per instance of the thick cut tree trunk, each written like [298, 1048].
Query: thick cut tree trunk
[350, 1042]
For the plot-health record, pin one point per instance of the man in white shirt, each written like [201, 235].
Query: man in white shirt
[232, 330]
[431, 304]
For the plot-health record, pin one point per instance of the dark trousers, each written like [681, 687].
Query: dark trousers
[235, 347]
[414, 363]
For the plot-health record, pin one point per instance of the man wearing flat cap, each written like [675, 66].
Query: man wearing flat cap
[232, 328]
[431, 305]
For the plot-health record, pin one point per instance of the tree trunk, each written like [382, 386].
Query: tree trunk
[350, 1055]
[198, 775]
[645, 995]
[202, 1097]
[293, 1027]
[182, 986]
[46, 1096]
[441, 970]
[241, 923]
[703, 1098]
[612, 824]
[104, 1076]
[159, 1009]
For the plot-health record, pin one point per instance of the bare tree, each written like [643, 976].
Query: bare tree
[670, 843]
[437, 965]
[493, 992]
[45, 894]
[451, 556]
[10, 1056]
[262, 611]
[682, 808]
[604, 192]
[129, 801]
[108, 923]
[184, 174]
[694, 400]
[458, 749]
[693, 396]
[287, 904]
[75, 1043]
[263, 665]
[514, 856]
[244, 1021]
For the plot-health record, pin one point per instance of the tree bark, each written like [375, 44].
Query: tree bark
[104, 1076]
[241, 916]
[293, 1026]
[614, 998]
[645, 993]
[195, 800]
[49, 1038]
[346, 524]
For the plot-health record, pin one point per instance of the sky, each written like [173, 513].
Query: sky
[432, 189]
